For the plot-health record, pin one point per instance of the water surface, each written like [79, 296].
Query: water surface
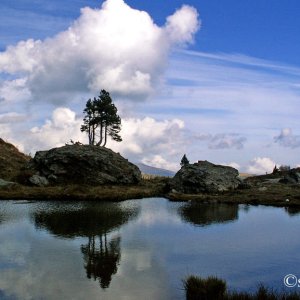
[141, 249]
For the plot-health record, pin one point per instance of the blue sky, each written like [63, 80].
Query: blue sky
[260, 28]
[224, 89]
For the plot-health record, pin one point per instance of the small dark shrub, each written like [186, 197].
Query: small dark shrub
[211, 288]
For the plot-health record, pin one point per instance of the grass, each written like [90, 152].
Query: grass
[11, 160]
[213, 288]
[272, 194]
[275, 194]
[146, 188]
[209, 288]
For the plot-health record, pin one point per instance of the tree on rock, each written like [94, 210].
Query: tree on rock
[184, 161]
[101, 120]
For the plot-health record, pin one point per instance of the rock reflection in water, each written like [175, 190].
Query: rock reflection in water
[203, 214]
[102, 252]
[292, 210]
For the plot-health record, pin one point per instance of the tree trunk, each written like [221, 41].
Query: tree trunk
[105, 140]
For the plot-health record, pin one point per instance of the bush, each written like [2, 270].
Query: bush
[213, 288]
[210, 288]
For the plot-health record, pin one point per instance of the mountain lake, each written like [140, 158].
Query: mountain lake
[141, 249]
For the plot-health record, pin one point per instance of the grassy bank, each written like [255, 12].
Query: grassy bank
[275, 194]
[147, 188]
[213, 288]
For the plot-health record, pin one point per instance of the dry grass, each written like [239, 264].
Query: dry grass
[275, 194]
[147, 188]
[11, 160]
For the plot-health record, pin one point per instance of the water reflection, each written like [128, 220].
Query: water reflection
[203, 214]
[87, 220]
[101, 253]
[292, 210]
[101, 262]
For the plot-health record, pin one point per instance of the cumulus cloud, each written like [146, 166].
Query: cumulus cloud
[115, 47]
[60, 129]
[223, 140]
[155, 143]
[183, 24]
[286, 138]
[14, 90]
[261, 165]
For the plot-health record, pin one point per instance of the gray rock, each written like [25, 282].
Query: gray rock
[84, 164]
[38, 180]
[292, 177]
[205, 177]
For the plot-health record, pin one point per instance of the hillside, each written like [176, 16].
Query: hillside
[145, 169]
[11, 160]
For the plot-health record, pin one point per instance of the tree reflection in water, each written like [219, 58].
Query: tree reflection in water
[203, 214]
[102, 252]
[101, 262]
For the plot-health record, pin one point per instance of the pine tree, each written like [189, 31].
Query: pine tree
[184, 161]
[101, 120]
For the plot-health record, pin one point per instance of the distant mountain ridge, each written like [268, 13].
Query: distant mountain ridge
[155, 171]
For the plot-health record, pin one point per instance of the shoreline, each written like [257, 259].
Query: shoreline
[277, 194]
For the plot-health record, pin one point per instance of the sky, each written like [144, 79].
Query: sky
[215, 80]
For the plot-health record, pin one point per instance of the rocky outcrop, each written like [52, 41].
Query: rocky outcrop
[205, 177]
[291, 177]
[81, 164]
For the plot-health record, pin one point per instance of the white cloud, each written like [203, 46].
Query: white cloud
[159, 162]
[14, 90]
[116, 48]
[156, 143]
[232, 164]
[56, 132]
[286, 138]
[223, 140]
[12, 117]
[182, 25]
[261, 165]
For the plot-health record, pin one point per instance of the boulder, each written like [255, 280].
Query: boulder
[38, 180]
[205, 177]
[291, 177]
[82, 164]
